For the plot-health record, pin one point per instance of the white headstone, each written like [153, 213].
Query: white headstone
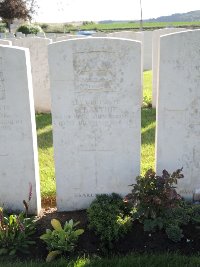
[127, 34]
[31, 35]
[68, 37]
[10, 35]
[20, 35]
[96, 93]
[178, 111]
[40, 70]
[51, 36]
[18, 146]
[5, 42]
[99, 34]
[145, 38]
[155, 55]
[2, 35]
[147, 49]
[41, 34]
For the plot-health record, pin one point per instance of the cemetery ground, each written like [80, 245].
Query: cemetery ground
[150, 249]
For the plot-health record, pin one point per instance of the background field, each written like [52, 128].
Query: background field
[109, 27]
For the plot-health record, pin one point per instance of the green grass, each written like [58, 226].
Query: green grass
[109, 27]
[147, 88]
[144, 260]
[45, 142]
[46, 161]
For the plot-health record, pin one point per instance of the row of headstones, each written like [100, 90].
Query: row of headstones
[55, 37]
[96, 96]
[39, 60]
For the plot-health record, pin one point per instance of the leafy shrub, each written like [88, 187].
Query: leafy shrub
[2, 27]
[15, 233]
[174, 232]
[29, 29]
[44, 26]
[110, 218]
[152, 194]
[158, 206]
[61, 239]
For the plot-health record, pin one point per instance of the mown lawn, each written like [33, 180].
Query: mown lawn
[134, 260]
[45, 141]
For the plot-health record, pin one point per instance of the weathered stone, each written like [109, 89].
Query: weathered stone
[155, 55]
[178, 111]
[18, 146]
[5, 42]
[40, 70]
[96, 97]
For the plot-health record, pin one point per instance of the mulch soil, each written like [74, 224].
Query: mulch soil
[135, 241]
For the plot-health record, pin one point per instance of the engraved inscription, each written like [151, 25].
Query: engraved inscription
[94, 71]
[2, 85]
[85, 195]
[95, 113]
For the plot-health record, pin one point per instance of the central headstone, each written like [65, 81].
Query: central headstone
[96, 96]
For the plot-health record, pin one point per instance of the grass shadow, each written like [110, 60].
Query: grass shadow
[43, 120]
[148, 116]
[45, 139]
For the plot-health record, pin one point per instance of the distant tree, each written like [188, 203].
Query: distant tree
[16, 9]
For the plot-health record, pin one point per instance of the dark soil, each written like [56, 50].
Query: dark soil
[136, 240]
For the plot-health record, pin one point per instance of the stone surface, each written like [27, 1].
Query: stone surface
[40, 70]
[96, 93]
[51, 36]
[18, 145]
[145, 38]
[129, 35]
[155, 58]
[178, 111]
[2, 35]
[10, 35]
[68, 37]
[41, 34]
[5, 42]
[31, 35]
[147, 50]
[99, 34]
[20, 35]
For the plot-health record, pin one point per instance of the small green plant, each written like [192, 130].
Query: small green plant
[174, 232]
[2, 27]
[60, 239]
[29, 29]
[15, 233]
[110, 218]
[16, 230]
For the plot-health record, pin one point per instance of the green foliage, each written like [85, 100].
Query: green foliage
[158, 206]
[2, 27]
[174, 232]
[153, 194]
[15, 233]
[61, 239]
[29, 29]
[88, 23]
[110, 218]
[44, 26]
